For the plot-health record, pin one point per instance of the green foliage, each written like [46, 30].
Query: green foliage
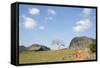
[93, 47]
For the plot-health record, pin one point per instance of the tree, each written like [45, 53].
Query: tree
[59, 43]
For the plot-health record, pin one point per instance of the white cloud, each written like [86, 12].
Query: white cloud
[87, 11]
[29, 23]
[34, 11]
[51, 11]
[41, 27]
[82, 25]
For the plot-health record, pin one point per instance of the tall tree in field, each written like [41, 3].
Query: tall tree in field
[58, 43]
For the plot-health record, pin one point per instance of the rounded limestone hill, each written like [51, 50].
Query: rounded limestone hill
[38, 47]
[81, 42]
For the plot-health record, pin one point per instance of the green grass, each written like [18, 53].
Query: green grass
[46, 56]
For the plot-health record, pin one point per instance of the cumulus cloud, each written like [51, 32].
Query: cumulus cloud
[41, 27]
[51, 11]
[86, 11]
[82, 25]
[34, 11]
[85, 23]
[29, 23]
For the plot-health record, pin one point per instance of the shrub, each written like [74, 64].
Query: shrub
[92, 47]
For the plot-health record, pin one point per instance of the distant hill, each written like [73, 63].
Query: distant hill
[33, 47]
[81, 42]
[22, 48]
[38, 47]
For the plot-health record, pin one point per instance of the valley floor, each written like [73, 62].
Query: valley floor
[55, 56]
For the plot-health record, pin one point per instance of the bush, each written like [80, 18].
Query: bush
[92, 47]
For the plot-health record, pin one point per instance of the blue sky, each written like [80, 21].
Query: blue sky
[43, 24]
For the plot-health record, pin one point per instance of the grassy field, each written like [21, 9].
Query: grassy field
[53, 56]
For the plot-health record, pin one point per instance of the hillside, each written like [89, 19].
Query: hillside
[38, 47]
[81, 42]
[22, 48]
[33, 47]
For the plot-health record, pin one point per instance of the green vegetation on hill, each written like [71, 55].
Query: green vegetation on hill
[92, 47]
